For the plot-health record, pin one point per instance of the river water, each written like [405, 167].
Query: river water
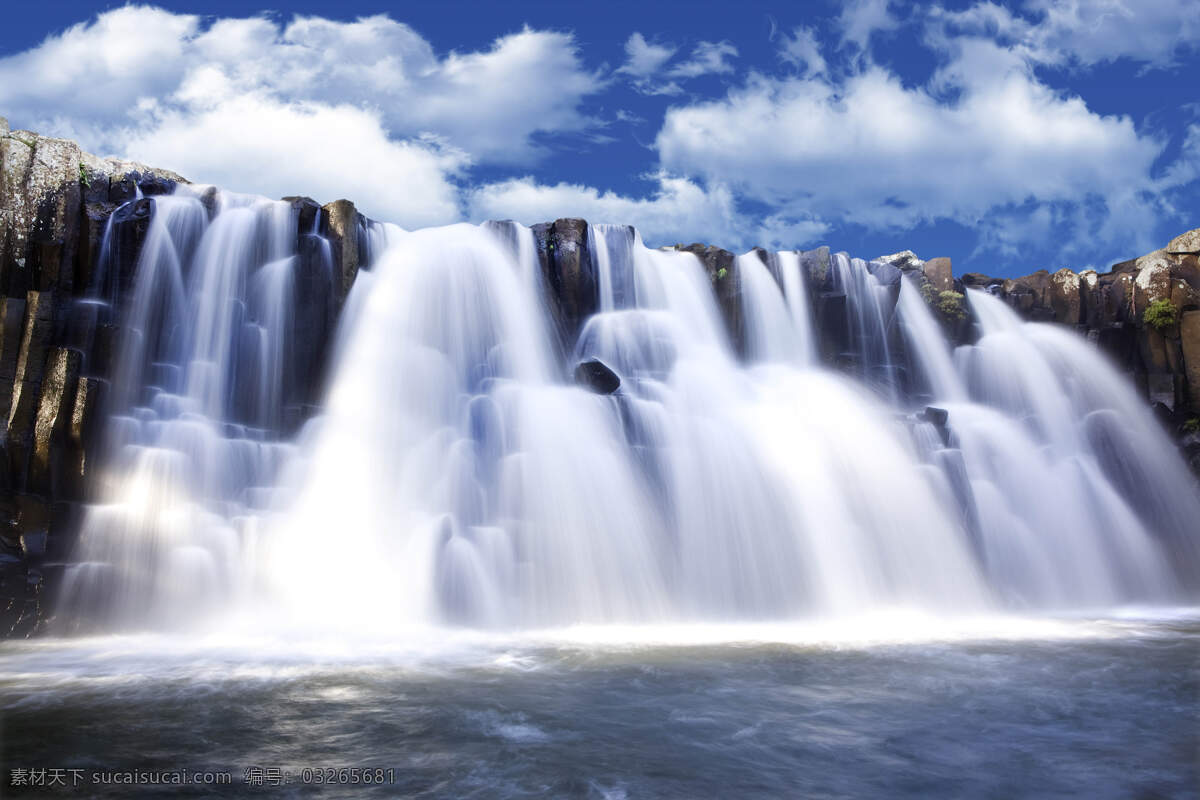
[891, 705]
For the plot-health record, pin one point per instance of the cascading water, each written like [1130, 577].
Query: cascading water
[194, 438]
[453, 475]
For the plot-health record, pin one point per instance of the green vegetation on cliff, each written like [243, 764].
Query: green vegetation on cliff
[1161, 315]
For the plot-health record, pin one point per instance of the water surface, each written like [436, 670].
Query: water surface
[887, 707]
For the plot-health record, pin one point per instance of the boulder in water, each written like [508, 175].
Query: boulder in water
[596, 376]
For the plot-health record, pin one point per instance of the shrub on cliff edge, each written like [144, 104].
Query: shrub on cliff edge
[1161, 315]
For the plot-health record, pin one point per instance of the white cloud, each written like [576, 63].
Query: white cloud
[646, 62]
[862, 18]
[479, 101]
[1085, 32]
[709, 58]
[876, 152]
[679, 209]
[645, 58]
[260, 145]
[141, 82]
[132, 52]
[802, 51]
[369, 110]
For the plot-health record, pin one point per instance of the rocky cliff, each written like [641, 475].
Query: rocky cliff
[72, 226]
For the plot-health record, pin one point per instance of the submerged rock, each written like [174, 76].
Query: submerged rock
[595, 375]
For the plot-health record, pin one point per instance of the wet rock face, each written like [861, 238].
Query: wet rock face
[570, 274]
[56, 203]
[721, 266]
[343, 226]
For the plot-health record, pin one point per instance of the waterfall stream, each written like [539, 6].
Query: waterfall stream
[454, 474]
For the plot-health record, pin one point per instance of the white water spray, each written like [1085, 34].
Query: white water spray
[453, 476]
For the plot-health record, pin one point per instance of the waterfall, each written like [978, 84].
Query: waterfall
[194, 437]
[453, 474]
[771, 321]
[796, 294]
[869, 310]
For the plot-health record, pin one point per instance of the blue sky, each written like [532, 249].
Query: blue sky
[1010, 137]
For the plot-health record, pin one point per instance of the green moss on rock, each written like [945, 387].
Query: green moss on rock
[1161, 315]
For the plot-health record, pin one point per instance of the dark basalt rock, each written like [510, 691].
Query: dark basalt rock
[130, 222]
[571, 275]
[721, 266]
[306, 212]
[595, 375]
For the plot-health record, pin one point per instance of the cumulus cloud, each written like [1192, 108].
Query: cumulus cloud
[644, 58]
[677, 209]
[366, 105]
[263, 146]
[801, 50]
[1085, 32]
[873, 151]
[476, 101]
[860, 19]
[369, 110]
